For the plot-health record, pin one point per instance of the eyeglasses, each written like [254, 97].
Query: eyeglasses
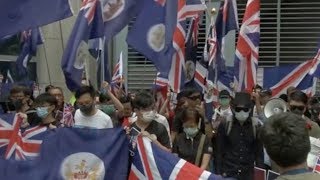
[238, 109]
[293, 107]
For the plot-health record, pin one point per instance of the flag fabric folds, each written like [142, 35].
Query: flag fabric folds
[18, 145]
[88, 25]
[18, 15]
[191, 49]
[151, 162]
[75, 153]
[185, 9]
[30, 40]
[247, 51]
[148, 35]
[117, 14]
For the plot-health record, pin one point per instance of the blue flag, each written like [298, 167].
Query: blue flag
[30, 40]
[117, 14]
[88, 25]
[149, 33]
[72, 153]
[19, 15]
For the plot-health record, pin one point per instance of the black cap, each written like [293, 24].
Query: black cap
[224, 94]
[242, 99]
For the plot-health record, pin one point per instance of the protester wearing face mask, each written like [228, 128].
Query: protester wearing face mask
[192, 145]
[18, 100]
[45, 105]
[239, 148]
[223, 110]
[297, 104]
[143, 105]
[88, 115]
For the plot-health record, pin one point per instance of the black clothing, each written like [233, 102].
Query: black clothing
[187, 148]
[237, 151]
[177, 125]
[159, 130]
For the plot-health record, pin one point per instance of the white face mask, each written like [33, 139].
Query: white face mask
[148, 116]
[242, 116]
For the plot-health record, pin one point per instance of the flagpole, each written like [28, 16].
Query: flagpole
[102, 61]
[45, 56]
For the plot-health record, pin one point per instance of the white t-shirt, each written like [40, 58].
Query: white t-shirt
[221, 112]
[100, 120]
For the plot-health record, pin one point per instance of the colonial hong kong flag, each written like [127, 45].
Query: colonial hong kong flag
[17, 145]
[30, 40]
[117, 14]
[247, 51]
[88, 25]
[151, 162]
[149, 34]
[185, 9]
[17, 15]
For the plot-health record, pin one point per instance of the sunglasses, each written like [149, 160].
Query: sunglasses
[300, 108]
[238, 109]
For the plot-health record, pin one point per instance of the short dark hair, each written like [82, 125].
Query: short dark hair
[284, 97]
[142, 100]
[125, 99]
[286, 139]
[185, 112]
[47, 88]
[104, 97]
[55, 87]
[19, 89]
[85, 90]
[299, 96]
[45, 98]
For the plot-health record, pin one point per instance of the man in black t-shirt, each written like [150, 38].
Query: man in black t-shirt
[143, 105]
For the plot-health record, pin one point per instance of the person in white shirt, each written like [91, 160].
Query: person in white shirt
[223, 110]
[88, 115]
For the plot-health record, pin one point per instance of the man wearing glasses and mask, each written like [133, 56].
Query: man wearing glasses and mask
[298, 101]
[239, 148]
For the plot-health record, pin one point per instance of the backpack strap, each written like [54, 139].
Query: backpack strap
[200, 149]
[255, 124]
[228, 127]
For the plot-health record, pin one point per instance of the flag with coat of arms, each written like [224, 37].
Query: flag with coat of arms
[30, 40]
[89, 25]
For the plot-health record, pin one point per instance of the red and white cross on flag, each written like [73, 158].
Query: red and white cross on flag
[14, 144]
[185, 10]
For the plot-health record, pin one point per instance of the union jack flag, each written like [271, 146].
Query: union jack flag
[316, 168]
[17, 145]
[302, 76]
[67, 116]
[247, 51]
[161, 88]
[184, 11]
[118, 71]
[212, 43]
[151, 162]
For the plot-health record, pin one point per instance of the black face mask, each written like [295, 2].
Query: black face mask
[86, 109]
[15, 104]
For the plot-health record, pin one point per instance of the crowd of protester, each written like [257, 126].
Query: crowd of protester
[237, 138]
